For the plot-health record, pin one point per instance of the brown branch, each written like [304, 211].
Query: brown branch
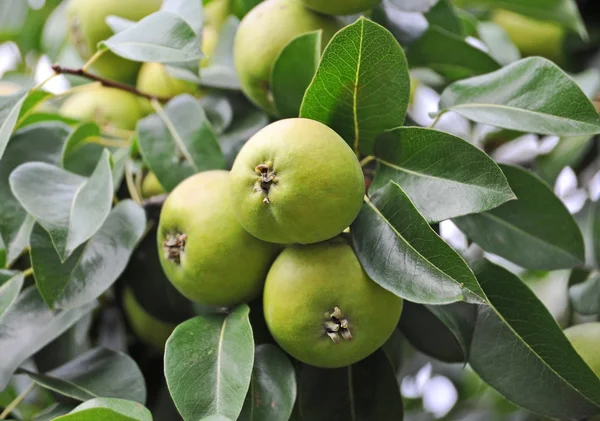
[105, 82]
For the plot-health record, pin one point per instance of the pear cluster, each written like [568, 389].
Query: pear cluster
[269, 27]
[110, 107]
[274, 226]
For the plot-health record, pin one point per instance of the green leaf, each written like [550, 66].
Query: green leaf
[9, 112]
[443, 15]
[362, 85]
[99, 373]
[536, 231]
[53, 411]
[70, 207]
[108, 409]
[31, 101]
[179, 142]
[501, 48]
[242, 128]
[450, 55]
[365, 391]
[10, 286]
[208, 364]
[564, 12]
[93, 267]
[162, 37]
[444, 332]
[399, 250]
[585, 296]
[218, 109]
[531, 95]
[519, 350]
[79, 156]
[272, 391]
[425, 162]
[293, 71]
[25, 146]
[220, 72]
[28, 326]
[188, 10]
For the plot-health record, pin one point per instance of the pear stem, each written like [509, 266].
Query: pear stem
[60, 70]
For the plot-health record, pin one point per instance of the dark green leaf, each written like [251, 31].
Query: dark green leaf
[425, 162]
[28, 326]
[162, 37]
[449, 55]
[25, 146]
[399, 250]
[179, 142]
[365, 391]
[220, 73]
[562, 11]
[99, 373]
[519, 350]
[70, 207]
[536, 231]
[94, 266]
[362, 85]
[10, 286]
[9, 113]
[108, 409]
[585, 296]
[443, 15]
[444, 332]
[53, 411]
[293, 71]
[272, 391]
[208, 364]
[530, 95]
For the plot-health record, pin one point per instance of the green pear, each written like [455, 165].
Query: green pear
[151, 186]
[148, 328]
[87, 27]
[261, 36]
[340, 7]
[296, 181]
[107, 106]
[204, 251]
[154, 79]
[585, 338]
[532, 37]
[322, 308]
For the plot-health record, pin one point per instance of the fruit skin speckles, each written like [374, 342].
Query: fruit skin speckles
[311, 180]
[322, 308]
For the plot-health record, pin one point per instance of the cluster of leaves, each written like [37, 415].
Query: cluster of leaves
[64, 329]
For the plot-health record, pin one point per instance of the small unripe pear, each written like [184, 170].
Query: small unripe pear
[585, 338]
[261, 36]
[532, 37]
[106, 106]
[148, 328]
[151, 186]
[87, 27]
[154, 79]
